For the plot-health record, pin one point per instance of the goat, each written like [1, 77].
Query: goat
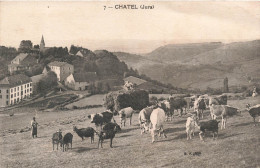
[67, 139]
[56, 139]
[85, 132]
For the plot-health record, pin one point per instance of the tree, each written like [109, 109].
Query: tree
[47, 83]
[36, 46]
[25, 46]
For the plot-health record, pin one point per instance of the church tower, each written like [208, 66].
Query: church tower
[42, 44]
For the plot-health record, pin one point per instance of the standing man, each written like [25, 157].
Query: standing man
[34, 125]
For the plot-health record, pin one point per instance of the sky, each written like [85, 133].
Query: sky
[87, 24]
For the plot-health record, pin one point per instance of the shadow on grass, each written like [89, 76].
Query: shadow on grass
[173, 130]
[82, 149]
[244, 124]
[223, 136]
[124, 136]
[123, 130]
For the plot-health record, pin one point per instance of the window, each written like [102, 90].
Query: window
[22, 87]
[14, 100]
[21, 93]
[27, 90]
[11, 90]
[28, 85]
[14, 89]
[17, 100]
[7, 96]
[7, 91]
[15, 95]
[0, 96]
[30, 89]
[24, 91]
[7, 103]
[18, 88]
[11, 95]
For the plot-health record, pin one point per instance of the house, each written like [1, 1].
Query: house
[62, 69]
[81, 81]
[131, 82]
[22, 61]
[14, 88]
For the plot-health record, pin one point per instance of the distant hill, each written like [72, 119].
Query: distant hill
[201, 65]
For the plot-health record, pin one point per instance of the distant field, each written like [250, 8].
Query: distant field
[236, 146]
[92, 100]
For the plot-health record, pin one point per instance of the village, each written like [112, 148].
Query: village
[104, 84]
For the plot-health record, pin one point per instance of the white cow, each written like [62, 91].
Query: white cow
[126, 113]
[144, 119]
[157, 119]
[224, 111]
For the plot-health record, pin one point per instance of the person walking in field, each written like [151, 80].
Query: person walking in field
[34, 125]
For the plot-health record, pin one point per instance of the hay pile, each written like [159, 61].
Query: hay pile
[137, 99]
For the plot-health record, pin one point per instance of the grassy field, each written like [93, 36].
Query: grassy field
[236, 146]
[92, 100]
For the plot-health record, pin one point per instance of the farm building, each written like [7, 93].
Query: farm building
[62, 69]
[81, 81]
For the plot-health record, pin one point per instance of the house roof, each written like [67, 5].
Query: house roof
[85, 77]
[20, 56]
[15, 80]
[134, 80]
[79, 53]
[57, 63]
[37, 78]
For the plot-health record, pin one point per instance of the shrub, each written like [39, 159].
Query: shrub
[137, 99]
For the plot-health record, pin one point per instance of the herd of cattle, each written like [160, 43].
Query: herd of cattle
[152, 119]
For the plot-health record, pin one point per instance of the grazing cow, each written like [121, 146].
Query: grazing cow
[57, 139]
[211, 125]
[108, 132]
[126, 113]
[101, 118]
[224, 111]
[190, 125]
[165, 105]
[67, 139]
[144, 119]
[199, 107]
[189, 102]
[254, 111]
[85, 132]
[177, 103]
[218, 100]
[156, 126]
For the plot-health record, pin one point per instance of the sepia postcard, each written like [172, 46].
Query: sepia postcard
[129, 84]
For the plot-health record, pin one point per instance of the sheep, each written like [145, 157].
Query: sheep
[56, 139]
[67, 139]
[85, 132]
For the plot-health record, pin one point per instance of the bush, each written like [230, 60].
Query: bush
[137, 99]
[51, 104]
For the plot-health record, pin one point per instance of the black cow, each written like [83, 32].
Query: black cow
[211, 125]
[108, 132]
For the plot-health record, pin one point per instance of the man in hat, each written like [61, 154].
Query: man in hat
[34, 125]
